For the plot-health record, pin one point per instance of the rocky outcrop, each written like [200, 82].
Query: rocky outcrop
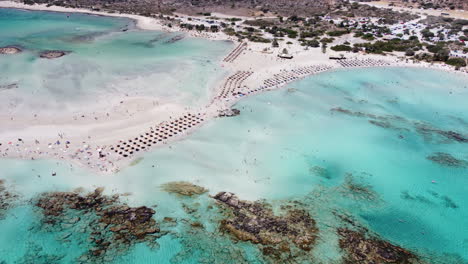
[447, 160]
[10, 50]
[429, 133]
[355, 188]
[278, 236]
[183, 188]
[113, 227]
[8, 86]
[7, 198]
[53, 54]
[229, 112]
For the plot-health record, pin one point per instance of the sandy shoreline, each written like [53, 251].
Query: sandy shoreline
[101, 144]
[141, 22]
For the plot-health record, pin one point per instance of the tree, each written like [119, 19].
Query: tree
[214, 28]
[324, 47]
[341, 48]
[409, 52]
[285, 51]
[275, 44]
[457, 62]
[441, 55]
[312, 43]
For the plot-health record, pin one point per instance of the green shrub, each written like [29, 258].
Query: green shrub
[341, 48]
[457, 62]
[337, 33]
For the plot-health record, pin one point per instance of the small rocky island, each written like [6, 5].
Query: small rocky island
[53, 54]
[10, 50]
[229, 112]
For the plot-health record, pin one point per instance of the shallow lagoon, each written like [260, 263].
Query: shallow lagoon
[109, 61]
[310, 142]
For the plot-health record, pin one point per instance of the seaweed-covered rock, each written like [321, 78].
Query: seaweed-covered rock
[320, 171]
[360, 248]
[129, 223]
[55, 203]
[358, 190]
[279, 236]
[113, 227]
[429, 133]
[53, 54]
[448, 160]
[7, 198]
[10, 50]
[36, 254]
[183, 188]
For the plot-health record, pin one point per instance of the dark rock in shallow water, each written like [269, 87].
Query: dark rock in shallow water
[361, 248]
[229, 112]
[278, 236]
[448, 160]
[10, 50]
[36, 254]
[174, 39]
[356, 189]
[386, 124]
[8, 86]
[7, 198]
[321, 172]
[183, 188]
[429, 132]
[113, 227]
[449, 203]
[53, 54]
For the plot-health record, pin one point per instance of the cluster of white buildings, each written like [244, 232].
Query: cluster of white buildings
[415, 29]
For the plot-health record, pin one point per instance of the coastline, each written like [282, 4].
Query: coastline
[141, 22]
[92, 144]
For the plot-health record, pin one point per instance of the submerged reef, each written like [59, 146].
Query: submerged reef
[448, 160]
[427, 131]
[112, 227]
[280, 237]
[10, 50]
[183, 188]
[53, 54]
[359, 247]
[320, 172]
[35, 255]
[355, 188]
[7, 198]
[174, 39]
[8, 86]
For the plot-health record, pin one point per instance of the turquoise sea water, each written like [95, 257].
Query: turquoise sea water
[272, 151]
[374, 128]
[108, 57]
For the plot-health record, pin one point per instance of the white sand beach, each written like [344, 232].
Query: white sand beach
[109, 140]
